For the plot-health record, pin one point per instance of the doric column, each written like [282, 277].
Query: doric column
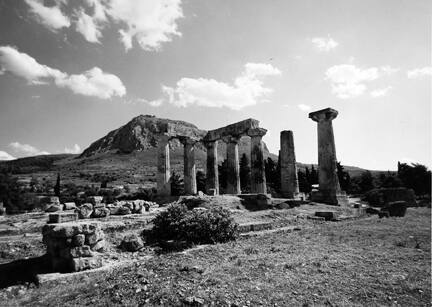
[258, 179]
[327, 162]
[163, 167]
[189, 177]
[288, 168]
[212, 181]
[233, 173]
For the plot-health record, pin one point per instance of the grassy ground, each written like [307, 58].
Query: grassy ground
[360, 262]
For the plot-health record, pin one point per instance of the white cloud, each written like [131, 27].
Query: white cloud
[51, 17]
[324, 43]
[93, 82]
[5, 156]
[150, 23]
[87, 27]
[247, 90]
[380, 92]
[26, 149]
[304, 107]
[418, 73]
[76, 149]
[24, 66]
[349, 81]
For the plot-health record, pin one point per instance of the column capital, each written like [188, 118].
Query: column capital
[186, 140]
[256, 132]
[327, 114]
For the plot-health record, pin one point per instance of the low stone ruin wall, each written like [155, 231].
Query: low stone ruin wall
[74, 246]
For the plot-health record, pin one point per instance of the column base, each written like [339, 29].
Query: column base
[329, 198]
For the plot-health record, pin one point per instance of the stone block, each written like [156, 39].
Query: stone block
[397, 208]
[94, 200]
[132, 243]
[53, 208]
[100, 246]
[99, 212]
[81, 251]
[85, 211]
[64, 230]
[124, 211]
[113, 209]
[69, 206]
[93, 238]
[62, 217]
[327, 215]
[78, 240]
[81, 264]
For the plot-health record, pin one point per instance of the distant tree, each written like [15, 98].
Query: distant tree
[344, 177]
[57, 186]
[366, 182]
[304, 185]
[416, 177]
[272, 175]
[13, 198]
[201, 181]
[223, 176]
[177, 185]
[389, 180]
[245, 174]
[313, 177]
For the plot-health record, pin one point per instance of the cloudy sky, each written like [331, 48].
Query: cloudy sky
[71, 71]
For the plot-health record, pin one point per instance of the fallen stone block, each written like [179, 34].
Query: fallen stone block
[78, 240]
[85, 211]
[81, 251]
[397, 208]
[100, 246]
[62, 217]
[69, 206]
[81, 264]
[99, 212]
[327, 215]
[53, 208]
[124, 211]
[95, 200]
[131, 243]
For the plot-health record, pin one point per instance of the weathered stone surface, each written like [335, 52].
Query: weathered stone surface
[132, 243]
[113, 209]
[81, 264]
[190, 185]
[327, 161]
[69, 206]
[78, 240]
[54, 208]
[327, 215]
[93, 238]
[239, 128]
[123, 211]
[81, 251]
[62, 217]
[100, 246]
[99, 212]
[163, 168]
[85, 211]
[94, 200]
[288, 168]
[233, 166]
[212, 180]
[258, 179]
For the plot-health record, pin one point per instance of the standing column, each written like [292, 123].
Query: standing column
[258, 179]
[288, 168]
[327, 163]
[212, 181]
[189, 174]
[233, 173]
[163, 167]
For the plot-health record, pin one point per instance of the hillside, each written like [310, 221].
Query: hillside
[127, 154]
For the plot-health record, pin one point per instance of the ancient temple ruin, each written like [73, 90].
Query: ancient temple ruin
[231, 135]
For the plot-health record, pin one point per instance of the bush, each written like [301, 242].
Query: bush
[200, 226]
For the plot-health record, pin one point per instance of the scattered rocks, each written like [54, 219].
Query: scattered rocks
[132, 243]
[85, 211]
[101, 212]
[62, 217]
[69, 206]
[53, 208]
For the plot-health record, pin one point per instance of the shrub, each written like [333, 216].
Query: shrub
[200, 226]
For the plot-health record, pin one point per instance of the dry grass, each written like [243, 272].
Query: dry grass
[362, 262]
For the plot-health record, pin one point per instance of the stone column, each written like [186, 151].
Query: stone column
[163, 167]
[189, 177]
[288, 167]
[233, 173]
[258, 179]
[212, 181]
[327, 176]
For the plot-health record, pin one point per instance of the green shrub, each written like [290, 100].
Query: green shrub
[198, 226]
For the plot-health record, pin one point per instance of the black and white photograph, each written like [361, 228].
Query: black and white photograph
[215, 153]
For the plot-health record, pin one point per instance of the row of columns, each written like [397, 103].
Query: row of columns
[258, 181]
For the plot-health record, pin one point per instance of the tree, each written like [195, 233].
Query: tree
[245, 174]
[57, 186]
[389, 180]
[201, 181]
[304, 185]
[272, 174]
[223, 176]
[313, 177]
[177, 186]
[416, 177]
[366, 182]
[344, 177]
[12, 197]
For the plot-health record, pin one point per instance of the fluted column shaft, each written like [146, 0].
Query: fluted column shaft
[233, 165]
[212, 180]
[258, 179]
[163, 167]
